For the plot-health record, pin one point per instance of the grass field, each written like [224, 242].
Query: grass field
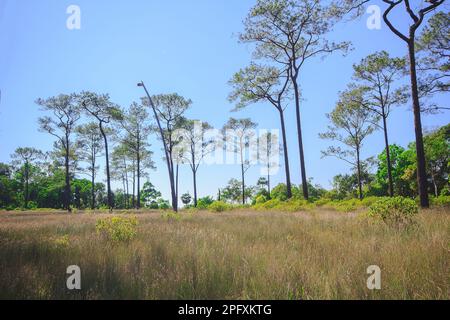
[321, 254]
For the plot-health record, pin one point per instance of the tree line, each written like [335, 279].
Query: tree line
[284, 35]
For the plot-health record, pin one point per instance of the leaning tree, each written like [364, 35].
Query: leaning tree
[100, 108]
[168, 111]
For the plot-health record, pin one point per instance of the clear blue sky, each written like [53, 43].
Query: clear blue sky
[188, 47]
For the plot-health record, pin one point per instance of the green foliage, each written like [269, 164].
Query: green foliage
[403, 165]
[397, 211]
[149, 194]
[62, 241]
[171, 216]
[440, 201]
[291, 205]
[203, 203]
[219, 206]
[117, 229]
[260, 199]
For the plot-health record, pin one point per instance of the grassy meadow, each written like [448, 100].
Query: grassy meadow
[241, 254]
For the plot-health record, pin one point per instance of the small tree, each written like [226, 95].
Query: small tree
[90, 142]
[267, 145]
[237, 134]
[149, 195]
[120, 158]
[134, 123]
[195, 146]
[23, 158]
[356, 123]
[376, 74]
[264, 84]
[65, 114]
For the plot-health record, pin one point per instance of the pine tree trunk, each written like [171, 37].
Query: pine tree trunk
[421, 163]
[286, 157]
[358, 165]
[67, 188]
[108, 176]
[388, 157]
[300, 140]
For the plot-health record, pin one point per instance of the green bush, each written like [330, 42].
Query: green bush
[322, 201]
[219, 206]
[171, 216]
[117, 229]
[441, 201]
[291, 205]
[260, 199]
[203, 203]
[398, 211]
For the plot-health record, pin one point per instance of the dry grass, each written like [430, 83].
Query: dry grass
[233, 255]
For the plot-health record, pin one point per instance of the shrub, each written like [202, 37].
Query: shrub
[171, 216]
[117, 229]
[322, 201]
[204, 202]
[441, 201]
[260, 199]
[61, 242]
[368, 201]
[219, 206]
[398, 211]
[291, 205]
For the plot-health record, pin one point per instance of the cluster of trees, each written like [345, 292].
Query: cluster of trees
[285, 35]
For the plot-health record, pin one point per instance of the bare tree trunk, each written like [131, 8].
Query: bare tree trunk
[243, 183]
[26, 184]
[358, 165]
[133, 202]
[421, 164]
[126, 183]
[194, 174]
[138, 160]
[93, 188]
[286, 157]
[108, 176]
[176, 186]
[300, 140]
[388, 158]
[67, 187]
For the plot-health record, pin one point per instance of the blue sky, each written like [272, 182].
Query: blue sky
[188, 47]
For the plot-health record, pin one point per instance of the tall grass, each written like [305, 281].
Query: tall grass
[231, 255]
